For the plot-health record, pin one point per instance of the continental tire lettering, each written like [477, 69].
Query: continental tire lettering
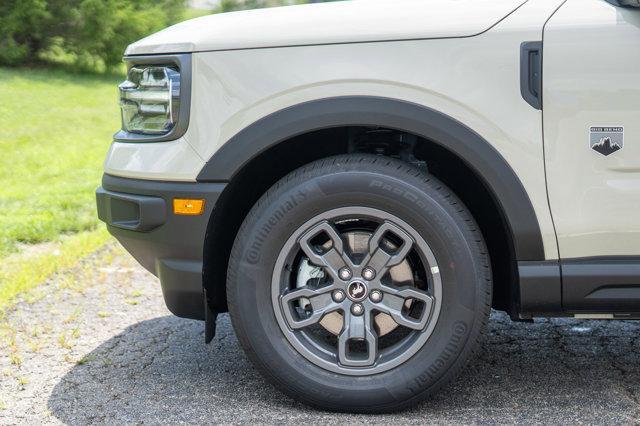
[253, 253]
[451, 350]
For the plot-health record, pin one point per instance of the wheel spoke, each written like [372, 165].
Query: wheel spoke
[394, 301]
[345, 281]
[378, 257]
[334, 258]
[358, 328]
[320, 300]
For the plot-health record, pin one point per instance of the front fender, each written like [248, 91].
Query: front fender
[422, 121]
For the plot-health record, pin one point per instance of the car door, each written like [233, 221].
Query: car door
[591, 114]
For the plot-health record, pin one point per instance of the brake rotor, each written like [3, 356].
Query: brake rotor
[357, 244]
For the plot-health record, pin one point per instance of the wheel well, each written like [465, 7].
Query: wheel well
[264, 170]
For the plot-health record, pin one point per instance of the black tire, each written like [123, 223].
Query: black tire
[389, 185]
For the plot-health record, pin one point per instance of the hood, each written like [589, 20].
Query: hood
[326, 23]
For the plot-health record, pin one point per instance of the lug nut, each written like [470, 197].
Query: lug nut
[357, 309]
[375, 296]
[345, 274]
[368, 273]
[338, 296]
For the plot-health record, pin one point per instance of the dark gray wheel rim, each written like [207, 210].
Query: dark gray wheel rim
[359, 295]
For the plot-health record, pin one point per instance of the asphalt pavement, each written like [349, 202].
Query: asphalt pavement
[125, 359]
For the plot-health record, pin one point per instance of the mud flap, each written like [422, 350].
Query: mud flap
[210, 317]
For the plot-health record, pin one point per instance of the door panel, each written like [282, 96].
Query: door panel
[591, 106]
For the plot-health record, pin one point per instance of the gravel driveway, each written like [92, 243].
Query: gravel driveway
[108, 351]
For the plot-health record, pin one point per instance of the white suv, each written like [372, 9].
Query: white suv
[359, 183]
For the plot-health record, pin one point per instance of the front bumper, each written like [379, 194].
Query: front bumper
[139, 214]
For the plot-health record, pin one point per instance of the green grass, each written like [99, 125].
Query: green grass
[55, 129]
[20, 274]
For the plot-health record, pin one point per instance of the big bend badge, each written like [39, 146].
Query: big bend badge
[606, 140]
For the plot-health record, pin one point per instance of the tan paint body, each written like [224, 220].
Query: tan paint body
[462, 64]
[592, 78]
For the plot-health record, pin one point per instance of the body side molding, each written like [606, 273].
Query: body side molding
[601, 284]
[422, 121]
[607, 285]
[540, 288]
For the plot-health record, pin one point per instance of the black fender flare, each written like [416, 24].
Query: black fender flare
[422, 121]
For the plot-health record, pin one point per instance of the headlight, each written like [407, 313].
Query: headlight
[150, 100]
[155, 97]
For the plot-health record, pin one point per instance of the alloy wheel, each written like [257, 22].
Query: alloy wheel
[356, 291]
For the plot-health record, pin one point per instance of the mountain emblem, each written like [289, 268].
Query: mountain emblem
[605, 146]
[606, 140]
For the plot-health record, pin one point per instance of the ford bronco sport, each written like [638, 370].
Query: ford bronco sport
[358, 183]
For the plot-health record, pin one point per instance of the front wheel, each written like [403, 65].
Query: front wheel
[359, 283]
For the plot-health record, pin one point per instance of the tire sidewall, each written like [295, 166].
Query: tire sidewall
[434, 216]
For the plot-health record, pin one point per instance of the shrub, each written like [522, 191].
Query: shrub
[21, 29]
[232, 5]
[90, 34]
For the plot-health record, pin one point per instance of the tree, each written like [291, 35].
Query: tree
[91, 34]
[232, 5]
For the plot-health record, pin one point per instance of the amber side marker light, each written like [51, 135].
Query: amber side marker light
[188, 207]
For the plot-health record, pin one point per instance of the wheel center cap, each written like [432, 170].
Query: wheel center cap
[357, 291]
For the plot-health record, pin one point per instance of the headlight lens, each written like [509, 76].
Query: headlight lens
[150, 100]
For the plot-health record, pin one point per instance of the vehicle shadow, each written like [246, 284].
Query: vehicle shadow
[159, 371]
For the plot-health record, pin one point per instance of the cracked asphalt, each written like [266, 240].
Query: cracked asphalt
[97, 345]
